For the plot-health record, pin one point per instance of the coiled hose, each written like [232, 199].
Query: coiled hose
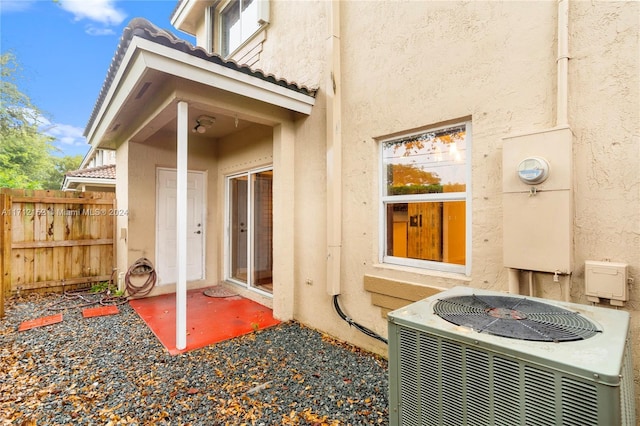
[142, 266]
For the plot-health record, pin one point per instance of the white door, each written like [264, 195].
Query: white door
[166, 263]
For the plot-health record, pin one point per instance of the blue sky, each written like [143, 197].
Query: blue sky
[64, 49]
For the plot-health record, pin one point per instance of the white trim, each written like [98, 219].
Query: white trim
[264, 16]
[178, 18]
[144, 54]
[184, 65]
[86, 157]
[209, 27]
[68, 180]
[413, 198]
[181, 226]
[250, 227]
[202, 215]
[116, 96]
[452, 196]
[263, 13]
[468, 141]
[183, 10]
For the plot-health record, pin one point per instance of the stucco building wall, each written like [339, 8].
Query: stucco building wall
[145, 159]
[605, 117]
[397, 67]
[414, 65]
[248, 149]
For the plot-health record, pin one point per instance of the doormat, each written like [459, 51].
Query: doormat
[219, 291]
[209, 319]
[100, 311]
[40, 322]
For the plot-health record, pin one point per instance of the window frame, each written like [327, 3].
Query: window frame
[263, 21]
[465, 196]
[228, 243]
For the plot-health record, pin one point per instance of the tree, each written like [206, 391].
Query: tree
[61, 166]
[26, 154]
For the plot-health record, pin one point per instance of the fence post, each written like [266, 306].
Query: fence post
[114, 228]
[5, 253]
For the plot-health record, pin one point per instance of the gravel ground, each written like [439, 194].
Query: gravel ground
[112, 370]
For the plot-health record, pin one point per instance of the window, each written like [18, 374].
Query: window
[239, 20]
[426, 199]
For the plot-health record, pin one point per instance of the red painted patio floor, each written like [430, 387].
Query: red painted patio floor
[209, 319]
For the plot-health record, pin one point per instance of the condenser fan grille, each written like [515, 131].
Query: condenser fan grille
[516, 318]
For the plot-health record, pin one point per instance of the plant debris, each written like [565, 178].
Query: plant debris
[111, 370]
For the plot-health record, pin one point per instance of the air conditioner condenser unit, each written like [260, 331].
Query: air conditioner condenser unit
[476, 357]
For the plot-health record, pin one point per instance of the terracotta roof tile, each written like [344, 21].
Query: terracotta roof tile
[101, 172]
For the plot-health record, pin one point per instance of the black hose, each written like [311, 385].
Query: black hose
[359, 327]
[142, 266]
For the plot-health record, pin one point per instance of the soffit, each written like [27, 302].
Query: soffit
[150, 62]
[187, 12]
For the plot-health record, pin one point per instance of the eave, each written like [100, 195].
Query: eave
[71, 180]
[148, 51]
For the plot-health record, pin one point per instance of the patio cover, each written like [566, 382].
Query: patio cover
[144, 91]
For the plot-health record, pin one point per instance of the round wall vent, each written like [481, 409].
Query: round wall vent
[516, 318]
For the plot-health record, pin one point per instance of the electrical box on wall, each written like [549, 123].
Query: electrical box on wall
[607, 280]
[537, 201]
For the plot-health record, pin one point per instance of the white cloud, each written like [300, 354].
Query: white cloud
[65, 134]
[102, 11]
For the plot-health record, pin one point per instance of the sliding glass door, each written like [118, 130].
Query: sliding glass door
[249, 243]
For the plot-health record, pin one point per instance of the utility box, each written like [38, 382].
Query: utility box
[607, 280]
[537, 185]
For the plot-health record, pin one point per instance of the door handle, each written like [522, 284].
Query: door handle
[198, 232]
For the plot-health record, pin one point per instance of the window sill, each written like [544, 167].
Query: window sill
[461, 277]
[389, 291]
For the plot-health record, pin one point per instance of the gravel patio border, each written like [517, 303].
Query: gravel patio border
[112, 370]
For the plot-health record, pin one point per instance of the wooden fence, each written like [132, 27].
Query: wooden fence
[53, 239]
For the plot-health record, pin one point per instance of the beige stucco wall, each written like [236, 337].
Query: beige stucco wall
[218, 158]
[238, 152]
[122, 221]
[606, 122]
[396, 78]
[415, 64]
[144, 160]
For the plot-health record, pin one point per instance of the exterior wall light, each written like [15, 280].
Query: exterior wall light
[203, 123]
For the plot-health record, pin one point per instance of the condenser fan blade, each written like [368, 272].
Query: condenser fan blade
[516, 318]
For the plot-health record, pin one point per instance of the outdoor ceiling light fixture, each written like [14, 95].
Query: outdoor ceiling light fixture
[203, 123]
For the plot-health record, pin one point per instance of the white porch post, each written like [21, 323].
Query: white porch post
[283, 216]
[181, 225]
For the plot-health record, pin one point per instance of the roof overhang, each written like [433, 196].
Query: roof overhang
[71, 182]
[186, 14]
[144, 58]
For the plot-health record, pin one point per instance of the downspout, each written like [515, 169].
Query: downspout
[562, 103]
[562, 117]
[334, 149]
[334, 166]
